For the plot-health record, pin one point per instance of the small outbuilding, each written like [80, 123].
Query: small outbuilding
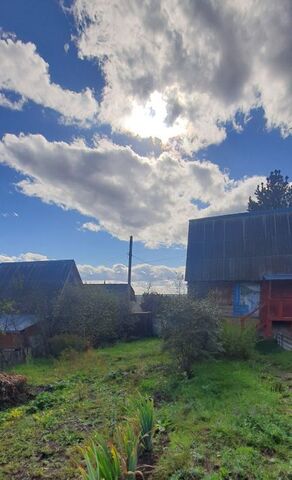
[246, 258]
[28, 291]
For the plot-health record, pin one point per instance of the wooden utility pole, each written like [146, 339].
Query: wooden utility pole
[130, 260]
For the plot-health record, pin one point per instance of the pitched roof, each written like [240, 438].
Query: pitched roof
[16, 323]
[116, 289]
[240, 247]
[34, 275]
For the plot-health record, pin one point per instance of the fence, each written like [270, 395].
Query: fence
[284, 341]
[10, 357]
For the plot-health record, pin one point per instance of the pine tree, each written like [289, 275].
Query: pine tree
[276, 193]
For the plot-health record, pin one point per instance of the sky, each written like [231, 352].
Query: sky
[122, 117]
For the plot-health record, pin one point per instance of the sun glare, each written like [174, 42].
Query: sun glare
[149, 120]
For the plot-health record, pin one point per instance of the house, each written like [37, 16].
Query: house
[246, 258]
[28, 290]
[27, 283]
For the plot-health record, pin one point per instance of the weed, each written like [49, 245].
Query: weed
[43, 401]
[237, 342]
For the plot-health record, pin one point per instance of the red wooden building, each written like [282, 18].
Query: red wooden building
[247, 259]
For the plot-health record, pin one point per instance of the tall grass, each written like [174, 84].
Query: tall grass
[145, 415]
[237, 342]
[128, 439]
[102, 462]
[105, 461]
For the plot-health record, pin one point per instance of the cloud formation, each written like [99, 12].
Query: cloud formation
[150, 198]
[24, 72]
[159, 278]
[201, 62]
[23, 257]
[90, 226]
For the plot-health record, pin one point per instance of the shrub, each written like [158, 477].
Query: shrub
[238, 342]
[62, 342]
[91, 314]
[190, 329]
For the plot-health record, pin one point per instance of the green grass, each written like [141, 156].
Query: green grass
[229, 421]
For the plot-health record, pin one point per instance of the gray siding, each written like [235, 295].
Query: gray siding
[239, 247]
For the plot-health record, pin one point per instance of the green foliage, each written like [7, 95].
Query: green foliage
[128, 438]
[277, 193]
[7, 307]
[226, 422]
[237, 342]
[102, 462]
[190, 329]
[43, 401]
[107, 462]
[90, 314]
[65, 341]
[145, 416]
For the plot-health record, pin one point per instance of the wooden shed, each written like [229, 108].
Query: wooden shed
[246, 258]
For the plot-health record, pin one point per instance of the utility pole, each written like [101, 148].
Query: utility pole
[130, 260]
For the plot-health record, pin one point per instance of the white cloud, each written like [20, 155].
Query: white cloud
[160, 278]
[91, 226]
[203, 60]
[150, 198]
[13, 105]
[24, 72]
[23, 257]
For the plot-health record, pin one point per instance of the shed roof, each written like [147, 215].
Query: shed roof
[52, 274]
[117, 289]
[16, 322]
[240, 247]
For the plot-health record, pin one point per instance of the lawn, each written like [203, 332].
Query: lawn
[229, 421]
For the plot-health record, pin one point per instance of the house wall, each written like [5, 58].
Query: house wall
[235, 299]
[24, 339]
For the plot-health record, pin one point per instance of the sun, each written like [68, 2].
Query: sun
[149, 120]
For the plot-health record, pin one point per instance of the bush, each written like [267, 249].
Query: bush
[154, 302]
[60, 343]
[237, 342]
[190, 329]
[91, 314]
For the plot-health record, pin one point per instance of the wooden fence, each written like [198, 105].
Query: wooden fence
[284, 341]
[10, 357]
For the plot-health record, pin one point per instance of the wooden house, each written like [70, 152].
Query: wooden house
[246, 258]
[28, 291]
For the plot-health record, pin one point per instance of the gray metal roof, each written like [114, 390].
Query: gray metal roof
[243, 246]
[29, 276]
[116, 289]
[16, 322]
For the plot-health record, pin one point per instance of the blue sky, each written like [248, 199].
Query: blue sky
[107, 132]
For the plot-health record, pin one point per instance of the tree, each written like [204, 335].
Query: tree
[277, 193]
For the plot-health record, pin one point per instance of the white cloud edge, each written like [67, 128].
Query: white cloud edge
[26, 73]
[151, 198]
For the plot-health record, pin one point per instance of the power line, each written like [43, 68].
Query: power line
[152, 262]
